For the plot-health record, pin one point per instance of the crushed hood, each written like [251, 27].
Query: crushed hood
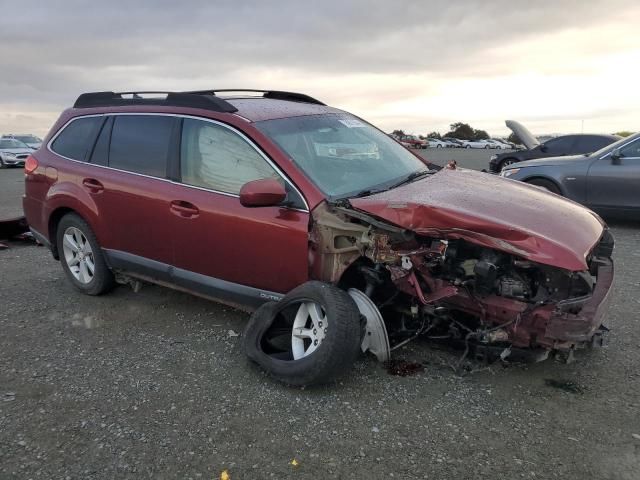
[523, 134]
[493, 212]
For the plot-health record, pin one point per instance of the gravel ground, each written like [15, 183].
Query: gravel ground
[153, 385]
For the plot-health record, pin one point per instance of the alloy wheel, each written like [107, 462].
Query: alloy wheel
[78, 255]
[309, 329]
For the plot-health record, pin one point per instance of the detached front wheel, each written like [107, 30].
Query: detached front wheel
[309, 337]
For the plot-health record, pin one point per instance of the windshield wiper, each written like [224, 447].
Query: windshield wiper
[411, 177]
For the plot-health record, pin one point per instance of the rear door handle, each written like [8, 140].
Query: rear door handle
[184, 209]
[93, 185]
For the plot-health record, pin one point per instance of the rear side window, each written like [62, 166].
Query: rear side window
[77, 138]
[560, 145]
[141, 144]
[590, 144]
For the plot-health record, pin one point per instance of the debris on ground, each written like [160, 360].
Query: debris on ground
[403, 368]
[566, 385]
[13, 227]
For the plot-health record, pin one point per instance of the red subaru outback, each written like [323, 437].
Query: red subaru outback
[349, 241]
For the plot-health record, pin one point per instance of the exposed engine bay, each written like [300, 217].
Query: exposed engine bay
[448, 288]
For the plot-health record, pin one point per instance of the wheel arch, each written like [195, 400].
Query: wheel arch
[552, 180]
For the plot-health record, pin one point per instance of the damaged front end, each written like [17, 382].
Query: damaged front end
[452, 287]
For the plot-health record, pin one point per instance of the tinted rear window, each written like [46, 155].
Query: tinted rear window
[590, 144]
[140, 143]
[77, 138]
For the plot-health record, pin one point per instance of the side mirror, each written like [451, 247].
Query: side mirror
[616, 156]
[266, 192]
[543, 148]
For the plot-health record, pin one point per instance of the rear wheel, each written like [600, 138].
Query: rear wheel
[81, 256]
[309, 337]
[545, 185]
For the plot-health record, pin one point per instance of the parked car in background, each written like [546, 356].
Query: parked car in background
[252, 200]
[563, 145]
[13, 153]
[437, 143]
[413, 141]
[606, 181]
[453, 142]
[477, 144]
[499, 144]
[30, 140]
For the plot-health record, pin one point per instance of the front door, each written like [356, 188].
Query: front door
[614, 183]
[220, 247]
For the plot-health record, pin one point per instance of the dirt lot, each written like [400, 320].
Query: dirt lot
[153, 385]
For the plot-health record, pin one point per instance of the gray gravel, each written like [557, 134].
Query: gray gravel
[153, 385]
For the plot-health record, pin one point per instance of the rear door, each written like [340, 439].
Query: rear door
[127, 179]
[224, 249]
[613, 184]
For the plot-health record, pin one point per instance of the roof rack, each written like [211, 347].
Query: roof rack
[273, 94]
[204, 100]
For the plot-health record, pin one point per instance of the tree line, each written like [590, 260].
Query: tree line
[459, 130]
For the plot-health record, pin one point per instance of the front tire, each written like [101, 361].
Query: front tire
[309, 337]
[506, 162]
[81, 256]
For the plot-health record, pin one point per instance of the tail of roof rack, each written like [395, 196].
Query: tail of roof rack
[204, 100]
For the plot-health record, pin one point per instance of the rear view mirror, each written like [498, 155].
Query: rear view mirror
[616, 156]
[266, 192]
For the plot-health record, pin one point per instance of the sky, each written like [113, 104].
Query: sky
[560, 66]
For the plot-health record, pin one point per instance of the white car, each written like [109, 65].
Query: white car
[499, 144]
[437, 143]
[477, 144]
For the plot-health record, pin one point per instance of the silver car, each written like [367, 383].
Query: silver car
[606, 181]
[13, 152]
[29, 140]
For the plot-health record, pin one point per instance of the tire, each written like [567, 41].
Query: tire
[545, 184]
[2, 165]
[438, 146]
[269, 335]
[78, 232]
[467, 146]
[506, 162]
[487, 147]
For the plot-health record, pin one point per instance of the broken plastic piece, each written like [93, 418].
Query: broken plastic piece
[375, 338]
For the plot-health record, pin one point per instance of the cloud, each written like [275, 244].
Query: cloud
[376, 58]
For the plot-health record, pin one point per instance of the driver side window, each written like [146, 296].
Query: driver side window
[217, 158]
[632, 150]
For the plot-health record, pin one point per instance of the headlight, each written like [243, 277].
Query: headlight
[493, 157]
[509, 172]
[9, 154]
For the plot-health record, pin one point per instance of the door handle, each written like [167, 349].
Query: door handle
[93, 185]
[184, 209]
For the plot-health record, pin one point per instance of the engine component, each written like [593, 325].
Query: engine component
[486, 274]
[512, 287]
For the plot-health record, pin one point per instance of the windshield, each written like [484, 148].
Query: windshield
[341, 154]
[11, 143]
[28, 138]
[612, 146]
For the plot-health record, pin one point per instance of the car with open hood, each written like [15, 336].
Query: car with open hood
[338, 239]
[575, 144]
[606, 180]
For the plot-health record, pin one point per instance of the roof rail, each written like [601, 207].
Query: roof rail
[204, 100]
[273, 94]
